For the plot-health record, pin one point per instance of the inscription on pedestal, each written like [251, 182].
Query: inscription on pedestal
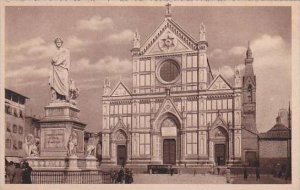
[54, 138]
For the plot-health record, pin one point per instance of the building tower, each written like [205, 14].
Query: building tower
[249, 132]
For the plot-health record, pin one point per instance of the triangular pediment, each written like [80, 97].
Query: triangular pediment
[169, 37]
[120, 90]
[219, 83]
[168, 106]
[219, 121]
[120, 125]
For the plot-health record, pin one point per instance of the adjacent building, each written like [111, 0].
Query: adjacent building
[275, 145]
[178, 112]
[15, 125]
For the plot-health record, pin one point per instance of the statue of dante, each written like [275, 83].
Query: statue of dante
[59, 72]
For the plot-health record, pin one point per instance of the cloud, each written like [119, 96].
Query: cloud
[123, 36]
[216, 52]
[95, 23]
[37, 48]
[29, 50]
[106, 65]
[76, 44]
[94, 73]
[237, 50]
[272, 66]
[28, 71]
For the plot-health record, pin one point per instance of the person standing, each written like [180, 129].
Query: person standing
[18, 174]
[245, 173]
[257, 173]
[26, 179]
[228, 177]
[11, 171]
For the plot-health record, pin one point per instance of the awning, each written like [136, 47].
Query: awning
[13, 159]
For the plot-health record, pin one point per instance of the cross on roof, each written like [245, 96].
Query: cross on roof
[168, 11]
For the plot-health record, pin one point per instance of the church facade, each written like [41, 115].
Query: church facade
[178, 112]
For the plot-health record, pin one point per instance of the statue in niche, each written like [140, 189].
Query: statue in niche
[31, 146]
[72, 144]
[91, 147]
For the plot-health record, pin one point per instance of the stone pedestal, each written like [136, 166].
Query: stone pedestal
[91, 162]
[73, 163]
[60, 121]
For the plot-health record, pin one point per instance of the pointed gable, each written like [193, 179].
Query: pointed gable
[168, 37]
[219, 121]
[168, 106]
[249, 80]
[120, 90]
[219, 83]
[120, 125]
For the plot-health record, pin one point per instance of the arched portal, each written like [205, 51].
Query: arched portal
[219, 139]
[170, 139]
[120, 138]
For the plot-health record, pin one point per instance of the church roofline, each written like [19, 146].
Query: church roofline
[145, 44]
[219, 75]
[117, 85]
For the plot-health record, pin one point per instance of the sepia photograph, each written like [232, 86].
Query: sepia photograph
[148, 94]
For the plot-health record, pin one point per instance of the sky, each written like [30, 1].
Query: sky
[100, 40]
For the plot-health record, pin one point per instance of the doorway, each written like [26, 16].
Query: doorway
[121, 155]
[169, 151]
[220, 154]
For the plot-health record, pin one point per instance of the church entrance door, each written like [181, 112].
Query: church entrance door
[220, 154]
[121, 155]
[169, 151]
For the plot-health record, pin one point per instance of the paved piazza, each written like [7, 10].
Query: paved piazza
[178, 179]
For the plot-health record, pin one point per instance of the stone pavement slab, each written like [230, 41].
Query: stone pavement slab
[178, 179]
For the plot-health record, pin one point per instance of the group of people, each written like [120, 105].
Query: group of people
[18, 173]
[124, 175]
[257, 173]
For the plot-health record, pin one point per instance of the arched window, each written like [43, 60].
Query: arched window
[249, 93]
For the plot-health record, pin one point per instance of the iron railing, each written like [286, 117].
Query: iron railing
[70, 177]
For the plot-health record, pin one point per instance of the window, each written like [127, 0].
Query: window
[145, 80]
[208, 104]
[191, 76]
[219, 102]
[191, 142]
[192, 105]
[15, 145]
[214, 106]
[249, 93]
[169, 71]
[20, 130]
[21, 114]
[20, 145]
[191, 120]
[229, 103]
[148, 65]
[15, 129]
[8, 127]
[144, 121]
[15, 112]
[145, 108]
[144, 144]
[8, 109]
[191, 61]
[7, 143]
[142, 65]
[112, 109]
[224, 104]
